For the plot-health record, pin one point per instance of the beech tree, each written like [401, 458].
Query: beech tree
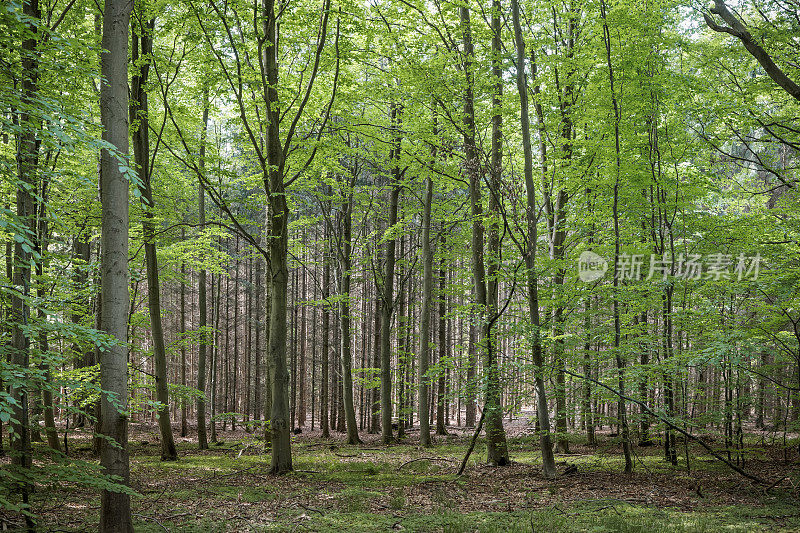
[115, 176]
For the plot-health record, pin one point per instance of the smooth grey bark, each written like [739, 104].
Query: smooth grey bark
[324, 419]
[496, 446]
[441, 422]
[278, 227]
[202, 435]
[184, 407]
[387, 287]
[115, 510]
[497, 451]
[621, 414]
[531, 217]
[277, 245]
[42, 241]
[425, 317]
[345, 216]
[141, 149]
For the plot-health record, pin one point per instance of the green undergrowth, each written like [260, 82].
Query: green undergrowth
[599, 517]
[336, 487]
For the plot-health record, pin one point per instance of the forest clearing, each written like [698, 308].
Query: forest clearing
[424, 265]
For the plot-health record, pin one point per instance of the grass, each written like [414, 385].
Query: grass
[368, 488]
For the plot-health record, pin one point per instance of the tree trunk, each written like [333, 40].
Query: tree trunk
[345, 335]
[115, 511]
[42, 238]
[202, 439]
[325, 356]
[184, 406]
[441, 422]
[425, 317]
[543, 415]
[497, 451]
[621, 414]
[387, 295]
[141, 149]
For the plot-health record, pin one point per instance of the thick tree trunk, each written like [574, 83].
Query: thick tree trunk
[27, 167]
[115, 511]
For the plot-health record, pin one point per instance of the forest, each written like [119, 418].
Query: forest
[440, 265]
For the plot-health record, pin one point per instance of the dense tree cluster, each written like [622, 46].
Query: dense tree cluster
[394, 217]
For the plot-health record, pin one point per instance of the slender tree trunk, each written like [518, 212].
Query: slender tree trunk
[278, 246]
[425, 316]
[621, 414]
[441, 422]
[542, 410]
[387, 295]
[258, 407]
[202, 439]
[215, 303]
[184, 406]
[248, 336]
[324, 419]
[42, 240]
[374, 392]
[268, 370]
[402, 349]
[115, 511]
[141, 149]
[497, 450]
[345, 335]
[234, 406]
[644, 428]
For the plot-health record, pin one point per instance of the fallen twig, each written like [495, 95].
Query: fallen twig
[472, 443]
[151, 519]
[424, 459]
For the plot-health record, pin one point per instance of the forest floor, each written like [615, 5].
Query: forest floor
[336, 487]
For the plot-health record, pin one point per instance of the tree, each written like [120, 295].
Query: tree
[115, 507]
[497, 450]
[141, 149]
[529, 251]
[736, 28]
